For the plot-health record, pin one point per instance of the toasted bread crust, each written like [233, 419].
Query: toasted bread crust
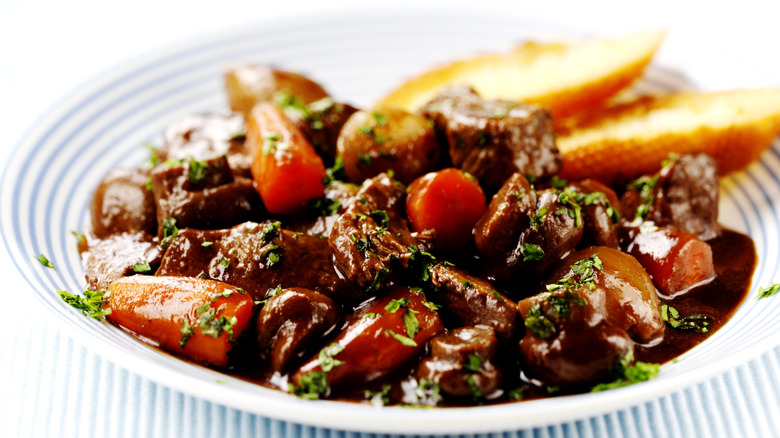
[564, 77]
[735, 127]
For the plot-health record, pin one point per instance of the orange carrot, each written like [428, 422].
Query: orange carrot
[448, 201]
[194, 317]
[285, 165]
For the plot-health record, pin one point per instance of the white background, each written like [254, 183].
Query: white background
[48, 48]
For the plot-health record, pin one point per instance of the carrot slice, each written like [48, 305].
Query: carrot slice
[194, 317]
[287, 169]
[448, 201]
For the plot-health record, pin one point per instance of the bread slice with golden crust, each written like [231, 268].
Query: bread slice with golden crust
[632, 139]
[567, 78]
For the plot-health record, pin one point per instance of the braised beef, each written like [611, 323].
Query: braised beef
[255, 257]
[123, 202]
[371, 238]
[492, 139]
[590, 313]
[290, 322]
[324, 212]
[600, 213]
[472, 301]
[208, 136]
[523, 232]
[203, 194]
[320, 121]
[461, 363]
[120, 255]
[683, 194]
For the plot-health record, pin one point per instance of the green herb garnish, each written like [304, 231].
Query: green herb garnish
[91, 303]
[44, 261]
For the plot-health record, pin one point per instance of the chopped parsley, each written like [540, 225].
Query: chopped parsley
[376, 283]
[475, 391]
[213, 325]
[170, 230]
[325, 206]
[335, 173]
[466, 285]
[517, 194]
[695, 323]
[379, 398]
[365, 160]
[327, 361]
[224, 262]
[394, 305]
[599, 197]
[197, 170]
[206, 243]
[44, 261]
[142, 267]
[538, 219]
[271, 230]
[312, 386]
[570, 200]
[497, 295]
[411, 323]
[768, 291]
[186, 332]
[381, 217]
[370, 129]
[273, 142]
[628, 374]
[435, 307]
[428, 392]
[515, 394]
[92, 303]
[292, 106]
[645, 186]
[404, 340]
[558, 183]
[473, 364]
[531, 252]
[538, 323]
[154, 156]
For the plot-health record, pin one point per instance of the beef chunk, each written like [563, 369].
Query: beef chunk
[203, 194]
[600, 213]
[494, 139]
[588, 317]
[255, 258]
[461, 362]
[473, 301]
[290, 321]
[524, 232]
[209, 136]
[371, 237]
[683, 194]
[320, 121]
[324, 212]
[114, 257]
[123, 203]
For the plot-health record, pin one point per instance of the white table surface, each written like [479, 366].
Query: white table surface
[48, 48]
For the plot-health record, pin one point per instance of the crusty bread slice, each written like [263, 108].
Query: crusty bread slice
[628, 140]
[565, 77]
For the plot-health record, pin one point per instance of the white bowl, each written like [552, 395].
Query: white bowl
[51, 176]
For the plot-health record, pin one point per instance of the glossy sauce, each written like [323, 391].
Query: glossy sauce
[735, 260]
